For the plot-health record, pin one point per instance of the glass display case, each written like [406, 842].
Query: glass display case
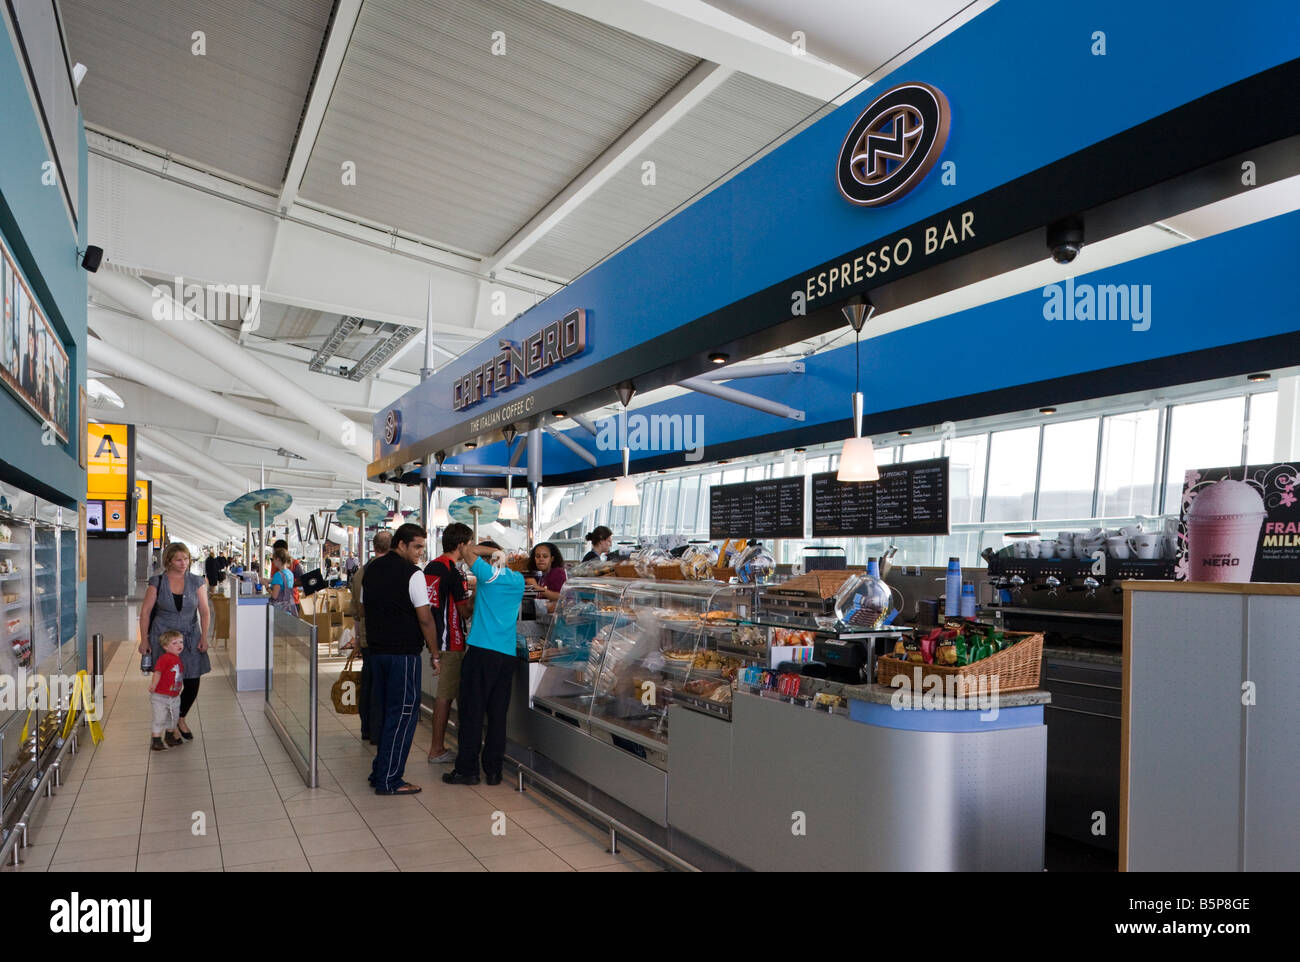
[39, 549]
[619, 653]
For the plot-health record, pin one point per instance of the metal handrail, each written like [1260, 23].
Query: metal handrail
[613, 824]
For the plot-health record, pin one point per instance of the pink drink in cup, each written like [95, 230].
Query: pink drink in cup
[1223, 526]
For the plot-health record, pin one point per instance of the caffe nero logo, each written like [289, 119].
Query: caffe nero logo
[393, 427]
[893, 144]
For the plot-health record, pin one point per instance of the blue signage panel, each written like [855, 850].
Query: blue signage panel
[1134, 313]
[1027, 83]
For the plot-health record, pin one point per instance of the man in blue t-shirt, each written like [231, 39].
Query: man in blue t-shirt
[488, 667]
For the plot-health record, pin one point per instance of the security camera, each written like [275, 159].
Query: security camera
[91, 258]
[1065, 239]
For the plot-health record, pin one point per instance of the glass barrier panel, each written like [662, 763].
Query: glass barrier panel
[290, 671]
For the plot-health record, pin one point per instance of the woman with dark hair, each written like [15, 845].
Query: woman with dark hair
[602, 540]
[548, 564]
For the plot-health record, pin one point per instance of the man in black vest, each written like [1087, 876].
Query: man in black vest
[398, 626]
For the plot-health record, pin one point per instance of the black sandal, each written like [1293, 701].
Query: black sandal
[406, 788]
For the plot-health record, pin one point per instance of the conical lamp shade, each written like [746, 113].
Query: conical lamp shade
[858, 461]
[625, 494]
[509, 509]
[440, 517]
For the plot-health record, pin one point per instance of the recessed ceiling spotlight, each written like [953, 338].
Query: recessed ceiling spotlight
[471, 445]
[717, 357]
[1047, 410]
[904, 434]
[800, 450]
[725, 461]
[557, 413]
[1256, 378]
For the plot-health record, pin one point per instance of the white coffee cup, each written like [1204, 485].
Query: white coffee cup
[1132, 531]
[1019, 549]
[1065, 549]
[1117, 548]
[1082, 551]
[1171, 545]
[1145, 546]
[1030, 549]
[1096, 534]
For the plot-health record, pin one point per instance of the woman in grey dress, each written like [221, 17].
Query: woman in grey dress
[178, 600]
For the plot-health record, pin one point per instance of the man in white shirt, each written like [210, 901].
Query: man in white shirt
[398, 625]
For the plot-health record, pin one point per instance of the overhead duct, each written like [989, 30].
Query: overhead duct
[191, 329]
[595, 499]
[214, 405]
[188, 460]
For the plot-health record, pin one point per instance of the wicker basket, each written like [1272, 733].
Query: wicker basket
[625, 569]
[1017, 667]
[520, 564]
[724, 574]
[669, 572]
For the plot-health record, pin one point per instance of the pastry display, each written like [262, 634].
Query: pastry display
[793, 636]
[718, 615]
[670, 615]
[682, 655]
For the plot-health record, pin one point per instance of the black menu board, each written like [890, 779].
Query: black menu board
[757, 509]
[909, 499]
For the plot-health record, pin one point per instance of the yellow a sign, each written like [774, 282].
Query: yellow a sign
[108, 457]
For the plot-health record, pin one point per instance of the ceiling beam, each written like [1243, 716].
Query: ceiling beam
[702, 80]
[322, 88]
[703, 31]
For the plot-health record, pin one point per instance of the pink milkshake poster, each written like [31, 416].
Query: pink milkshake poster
[1240, 524]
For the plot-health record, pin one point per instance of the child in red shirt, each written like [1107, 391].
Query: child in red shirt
[165, 690]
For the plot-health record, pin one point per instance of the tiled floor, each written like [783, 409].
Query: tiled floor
[232, 800]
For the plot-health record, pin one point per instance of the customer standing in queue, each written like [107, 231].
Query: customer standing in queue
[449, 600]
[398, 625]
[281, 586]
[602, 540]
[548, 564]
[178, 601]
[489, 665]
[368, 707]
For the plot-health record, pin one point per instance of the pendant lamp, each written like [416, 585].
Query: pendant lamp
[857, 456]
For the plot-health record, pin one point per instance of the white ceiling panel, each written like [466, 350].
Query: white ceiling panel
[459, 145]
[737, 120]
[235, 108]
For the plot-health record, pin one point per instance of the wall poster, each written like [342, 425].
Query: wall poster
[1240, 524]
[33, 364]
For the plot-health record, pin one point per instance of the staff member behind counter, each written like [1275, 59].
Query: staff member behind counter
[546, 561]
[602, 539]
